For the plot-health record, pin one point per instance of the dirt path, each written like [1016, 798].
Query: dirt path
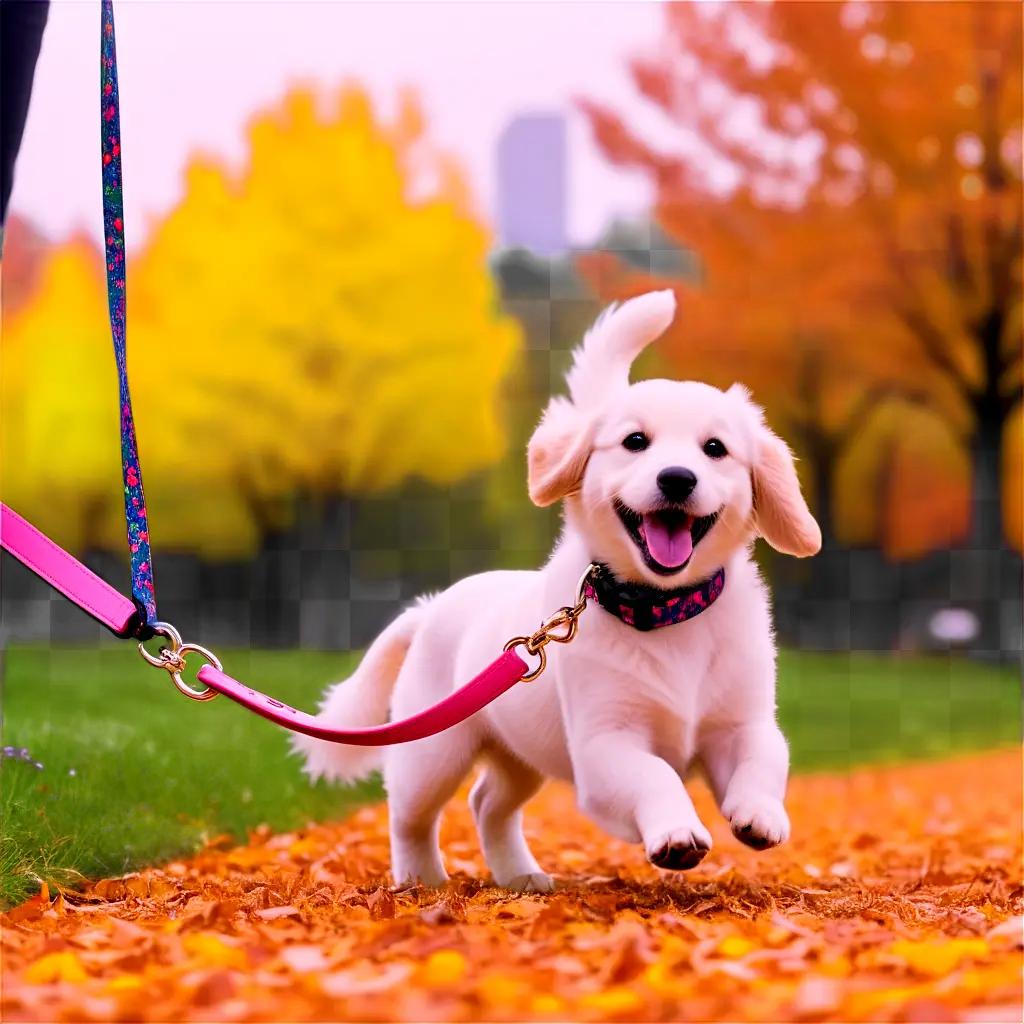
[896, 900]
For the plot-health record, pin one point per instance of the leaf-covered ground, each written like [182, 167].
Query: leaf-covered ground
[899, 898]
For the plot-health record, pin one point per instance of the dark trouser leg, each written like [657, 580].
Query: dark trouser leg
[21, 35]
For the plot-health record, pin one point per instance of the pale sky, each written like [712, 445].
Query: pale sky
[193, 71]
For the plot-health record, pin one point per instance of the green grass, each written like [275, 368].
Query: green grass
[840, 710]
[153, 773]
[135, 774]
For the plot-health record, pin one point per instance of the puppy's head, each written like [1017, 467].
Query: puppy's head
[662, 479]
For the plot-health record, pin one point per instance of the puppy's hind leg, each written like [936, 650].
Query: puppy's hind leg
[496, 800]
[420, 779]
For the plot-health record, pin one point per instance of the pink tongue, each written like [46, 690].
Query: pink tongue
[669, 545]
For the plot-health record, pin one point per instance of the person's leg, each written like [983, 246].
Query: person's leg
[21, 35]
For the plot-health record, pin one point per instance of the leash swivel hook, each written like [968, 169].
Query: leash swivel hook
[560, 628]
[172, 660]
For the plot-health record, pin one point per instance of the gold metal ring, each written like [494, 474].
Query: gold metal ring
[164, 629]
[542, 664]
[172, 660]
[207, 692]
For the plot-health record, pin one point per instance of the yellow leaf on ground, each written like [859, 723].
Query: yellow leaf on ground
[124, 983]
[547, 1005]
[212, 951]
[936, 957]
[443, 968]
[613, 1000]
[735, 946]
[55, 967]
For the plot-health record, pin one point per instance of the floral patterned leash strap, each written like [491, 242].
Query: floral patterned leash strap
[143, 593]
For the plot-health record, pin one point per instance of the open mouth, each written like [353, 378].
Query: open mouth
[667, 536]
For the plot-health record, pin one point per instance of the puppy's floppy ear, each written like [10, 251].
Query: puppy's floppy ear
[780, 512]
[781, 515]
[558, 453]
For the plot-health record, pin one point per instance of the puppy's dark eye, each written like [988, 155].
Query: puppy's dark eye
[714, 449]
[636, 442]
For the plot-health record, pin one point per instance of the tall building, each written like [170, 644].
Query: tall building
[533, 184]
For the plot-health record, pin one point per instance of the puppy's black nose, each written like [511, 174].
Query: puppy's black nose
[677, 483]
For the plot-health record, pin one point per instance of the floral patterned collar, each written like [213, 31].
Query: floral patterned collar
[644, 607]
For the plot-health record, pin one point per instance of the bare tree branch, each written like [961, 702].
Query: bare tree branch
[934, 347]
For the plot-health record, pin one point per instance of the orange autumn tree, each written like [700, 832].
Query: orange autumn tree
[849, 177]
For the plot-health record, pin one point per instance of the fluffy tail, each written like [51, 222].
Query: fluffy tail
[601, 364]
[361, 700]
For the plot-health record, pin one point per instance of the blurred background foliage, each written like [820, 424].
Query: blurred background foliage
[330, 353]
[864, 264]
[301, 328]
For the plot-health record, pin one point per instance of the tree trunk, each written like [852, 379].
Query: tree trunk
[990, 575]
[987, 580]
[271, 625]
[986, 533]
[814, 606]
[274, 615]
[823, 465]
[324, 553]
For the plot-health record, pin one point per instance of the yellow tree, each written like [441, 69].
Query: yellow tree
[855, 194]
[328, 309]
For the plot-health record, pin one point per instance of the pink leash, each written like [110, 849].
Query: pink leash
[499, 676]
[119, 614]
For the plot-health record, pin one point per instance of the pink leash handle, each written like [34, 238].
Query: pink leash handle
[115, 611]
[64, 573]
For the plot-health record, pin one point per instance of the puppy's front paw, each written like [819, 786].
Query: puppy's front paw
[680, 849]
[759, 821]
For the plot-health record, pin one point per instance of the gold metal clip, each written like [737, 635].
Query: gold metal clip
[566, 619]
[172, 660]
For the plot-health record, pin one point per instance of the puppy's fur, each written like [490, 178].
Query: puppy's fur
[622, 714]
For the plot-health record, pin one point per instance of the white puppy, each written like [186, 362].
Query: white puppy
[664, 483]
